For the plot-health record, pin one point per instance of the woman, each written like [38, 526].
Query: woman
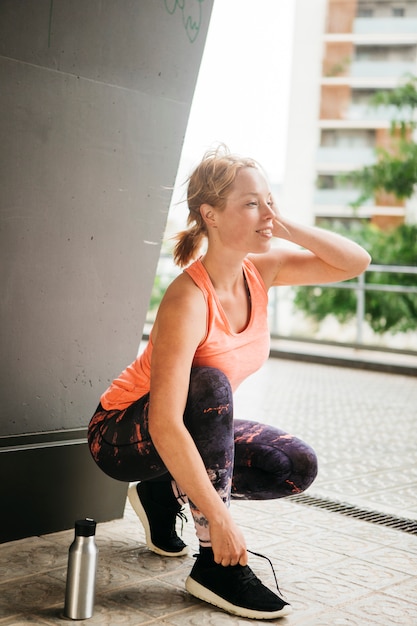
[167, 421]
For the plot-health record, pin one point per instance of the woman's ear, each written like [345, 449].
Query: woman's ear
[208, 214]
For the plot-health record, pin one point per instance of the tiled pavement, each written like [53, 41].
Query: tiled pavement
[333, 569]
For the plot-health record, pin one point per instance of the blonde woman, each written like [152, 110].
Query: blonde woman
[167, 420]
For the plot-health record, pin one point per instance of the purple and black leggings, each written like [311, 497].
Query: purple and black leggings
[244, 459]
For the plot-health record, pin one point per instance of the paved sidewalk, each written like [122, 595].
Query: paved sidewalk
[362, 424]
[334, 570]
[399, 362]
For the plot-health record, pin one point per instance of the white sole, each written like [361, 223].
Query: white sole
[202, 593]
[134, 500]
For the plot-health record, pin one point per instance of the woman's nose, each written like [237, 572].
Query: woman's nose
[268, 210]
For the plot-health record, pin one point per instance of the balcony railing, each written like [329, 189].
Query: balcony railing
[372, 113]
[381, 69]
[360, 287]
[337, 196]
[343, 156]
[376, 26]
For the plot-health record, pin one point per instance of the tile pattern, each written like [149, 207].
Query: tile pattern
[335, 570]
[361, 424]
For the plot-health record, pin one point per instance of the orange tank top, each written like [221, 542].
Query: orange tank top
[237, 354]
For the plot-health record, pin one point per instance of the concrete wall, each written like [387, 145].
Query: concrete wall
[94, 104]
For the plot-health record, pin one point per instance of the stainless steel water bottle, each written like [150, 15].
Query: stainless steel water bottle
[81, 573]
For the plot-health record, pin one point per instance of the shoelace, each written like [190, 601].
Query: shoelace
[252, 575]
[262, 556]
[182, 516]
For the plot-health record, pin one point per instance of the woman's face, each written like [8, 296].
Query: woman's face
[245, 224]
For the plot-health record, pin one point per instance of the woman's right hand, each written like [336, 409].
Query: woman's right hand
[228, 542]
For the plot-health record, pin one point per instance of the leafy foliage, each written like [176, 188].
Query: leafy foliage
[384, 311]
[395, 174]
[403, 98]
[396, 169]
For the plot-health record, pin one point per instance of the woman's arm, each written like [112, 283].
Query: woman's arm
[178, 330]
[327, 257]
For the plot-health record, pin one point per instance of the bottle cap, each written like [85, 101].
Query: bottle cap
[85, 527]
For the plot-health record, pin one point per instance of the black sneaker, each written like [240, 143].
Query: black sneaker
[158, 509]
[235, 589]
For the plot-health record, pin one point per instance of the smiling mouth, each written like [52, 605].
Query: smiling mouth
[265, 231]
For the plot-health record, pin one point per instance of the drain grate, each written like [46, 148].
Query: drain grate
[374, 517]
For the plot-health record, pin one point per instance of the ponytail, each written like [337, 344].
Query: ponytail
[189, 243]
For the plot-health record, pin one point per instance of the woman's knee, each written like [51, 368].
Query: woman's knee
[304, 467]
[285, 463]
[210, 391]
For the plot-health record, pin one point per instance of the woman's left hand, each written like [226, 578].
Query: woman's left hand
[279, 229]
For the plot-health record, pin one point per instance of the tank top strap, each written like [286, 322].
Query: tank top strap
[199, 275]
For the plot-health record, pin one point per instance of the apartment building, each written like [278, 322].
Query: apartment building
[344, 52]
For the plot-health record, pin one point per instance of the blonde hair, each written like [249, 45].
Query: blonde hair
[209, 183]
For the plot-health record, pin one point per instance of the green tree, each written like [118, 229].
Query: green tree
[395, 170]
[384, 311]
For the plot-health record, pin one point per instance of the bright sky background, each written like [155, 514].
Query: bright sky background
[242, 92]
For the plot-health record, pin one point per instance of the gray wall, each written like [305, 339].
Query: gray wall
[94, 101]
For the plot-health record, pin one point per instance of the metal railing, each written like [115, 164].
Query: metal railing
[360, 287]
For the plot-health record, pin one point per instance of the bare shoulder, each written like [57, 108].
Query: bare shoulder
[268, 264]
[184, 294]
[182, 311]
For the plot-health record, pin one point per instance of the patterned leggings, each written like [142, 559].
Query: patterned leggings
[244, 459]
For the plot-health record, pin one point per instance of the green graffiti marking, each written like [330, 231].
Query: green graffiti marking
[191, 15]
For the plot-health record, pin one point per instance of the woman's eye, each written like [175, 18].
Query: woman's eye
[253, 204]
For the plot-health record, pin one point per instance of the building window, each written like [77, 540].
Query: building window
[328, 182]
[325, 181]
[362, 12]
[398, 12]
[361, 97]
[393, 53]
[347, 138]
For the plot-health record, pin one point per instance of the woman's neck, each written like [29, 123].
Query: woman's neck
[225, 274]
